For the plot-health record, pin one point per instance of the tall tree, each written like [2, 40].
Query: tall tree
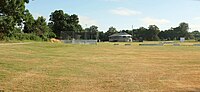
[153, 32]
[196, 34]
[40, 26]
[28, 23]
[12, 13]
[176, 33]
[58, 22]
[94, 32]
[65, 23]
[111, 31]
[142, 33]
[184, 27]
[73, 19]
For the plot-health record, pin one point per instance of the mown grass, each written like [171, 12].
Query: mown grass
[104, 67]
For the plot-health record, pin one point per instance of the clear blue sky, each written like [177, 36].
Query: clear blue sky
[122, 14]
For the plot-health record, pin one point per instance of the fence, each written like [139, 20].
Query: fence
[80, 41]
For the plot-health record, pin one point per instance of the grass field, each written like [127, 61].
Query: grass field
[47, 67]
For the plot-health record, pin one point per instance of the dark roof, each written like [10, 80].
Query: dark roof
[120, 34]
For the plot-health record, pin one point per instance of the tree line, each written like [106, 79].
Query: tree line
[17, 23]
[153, 33]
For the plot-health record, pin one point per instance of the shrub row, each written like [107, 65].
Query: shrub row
[22, 36]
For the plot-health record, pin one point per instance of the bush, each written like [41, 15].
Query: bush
[1, 36]
[47, 35]
[34, 37]
[22, 36]
[197, 39]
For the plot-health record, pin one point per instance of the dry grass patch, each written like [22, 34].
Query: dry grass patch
[99, 68]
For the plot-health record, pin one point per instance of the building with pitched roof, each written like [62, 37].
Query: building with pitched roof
[120, 37]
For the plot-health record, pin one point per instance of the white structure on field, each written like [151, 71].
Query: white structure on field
[120, 37]
[182, 39]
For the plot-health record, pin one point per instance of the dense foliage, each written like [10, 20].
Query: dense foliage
[153, 33]
[17, 23]
[63, 23]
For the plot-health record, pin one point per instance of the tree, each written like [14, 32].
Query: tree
[73, 19]
[142, 33]
[12, 13]
[65, 23]
[110, 31]
[153, 32]
[102, 36]
[38, 27]
[6, 25]
[183, 28]
[86, 33]
[93, 32]
[28, 22]
[73, 29]
[58, 22]
[180, 31]
[176, 33]
[196, 34]
[162, 35]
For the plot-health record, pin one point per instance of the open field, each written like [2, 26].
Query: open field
[47, 67]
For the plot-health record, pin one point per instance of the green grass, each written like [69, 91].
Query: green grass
[104, 67]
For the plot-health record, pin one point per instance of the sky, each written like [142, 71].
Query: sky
[124, 14]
